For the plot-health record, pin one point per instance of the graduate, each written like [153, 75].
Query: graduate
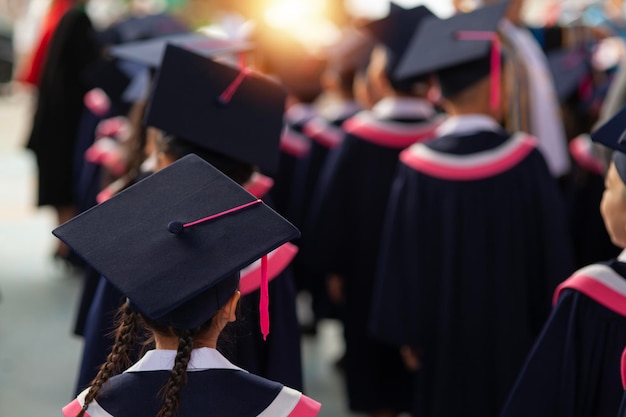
[475, 239]
[173, 245]
[300, 72]
[229, 146]
[115, 91]
[348, 211]
[579, 89]
[347, 58]
[574, 367]
[72, 51]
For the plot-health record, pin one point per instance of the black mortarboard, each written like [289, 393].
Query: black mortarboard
[146, 242]
[150, 52]
[569, 68]
[396, 30]
[613, 133]
[457, 49]
[218, 108]
[135, 28]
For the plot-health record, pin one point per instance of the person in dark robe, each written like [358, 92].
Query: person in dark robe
[575, 367]
[234, 152]
[475, 240]
[73, 49]
[347, 58]
[181, 283]
[580, 92]
[348, 211]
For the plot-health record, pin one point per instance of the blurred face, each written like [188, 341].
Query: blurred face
[613, 207]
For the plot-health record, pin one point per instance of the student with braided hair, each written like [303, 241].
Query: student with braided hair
[179, 96]
[174, 244]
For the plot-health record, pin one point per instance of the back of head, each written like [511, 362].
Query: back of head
[176, 148]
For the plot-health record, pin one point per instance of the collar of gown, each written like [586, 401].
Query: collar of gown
[403, 108]
[163, 360]
[467, 124]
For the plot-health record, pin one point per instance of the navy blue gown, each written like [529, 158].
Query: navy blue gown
[294, 147]
[347, 214]
[474, 243]
[574, 367]
[279, 357]
[326, 136]
[214, 387]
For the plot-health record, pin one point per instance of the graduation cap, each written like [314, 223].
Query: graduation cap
[218, 108]
[174, 243]
[569, 68]
[612, 133]
[150, 52]
[461, 50]
[135, 28]
[396, 30]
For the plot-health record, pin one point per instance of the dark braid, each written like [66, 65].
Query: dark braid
[125, 339]
[178, 377]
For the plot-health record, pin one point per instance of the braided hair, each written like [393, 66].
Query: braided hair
[178, 376]
[118, 359]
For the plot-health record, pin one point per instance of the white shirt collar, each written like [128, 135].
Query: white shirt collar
[403, 107]
[622, 256]
[299, 112]
[339, 109]
[163, 360]
[467, 124]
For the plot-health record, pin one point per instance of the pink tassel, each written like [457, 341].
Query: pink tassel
[496, 64]
[227, 95]
[265, 300]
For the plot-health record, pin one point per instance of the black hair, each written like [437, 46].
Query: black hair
[177, 147]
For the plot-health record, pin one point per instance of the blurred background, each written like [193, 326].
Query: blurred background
[38, 296]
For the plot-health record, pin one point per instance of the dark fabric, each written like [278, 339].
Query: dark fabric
[215, 392]
[60, 103]
[346, 219]
[591, 242]
[574, 368]
[285, 176]
[279, 357]
[97, 331]
[306, 178]
[465, 275]
[91, 278]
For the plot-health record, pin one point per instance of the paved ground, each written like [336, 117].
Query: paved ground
[38, 354]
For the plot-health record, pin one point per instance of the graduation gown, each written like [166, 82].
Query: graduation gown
[72, 50]
[326, 136]
[214, 387]
[348, 212]
[474, 243]
[279, 357]
[584, 187]
[294, 147]
[574, 367]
